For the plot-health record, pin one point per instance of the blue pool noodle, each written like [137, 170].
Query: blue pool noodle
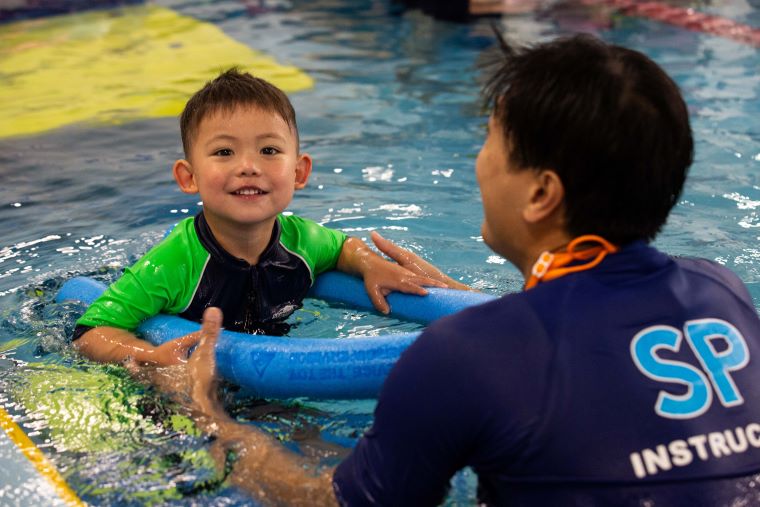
[317, 368]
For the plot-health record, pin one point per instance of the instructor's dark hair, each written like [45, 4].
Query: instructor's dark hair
[229, 90]
[607, 119]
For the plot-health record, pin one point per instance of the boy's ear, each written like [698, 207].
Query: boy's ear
[303, 170]
[183, 175]
[547, 196]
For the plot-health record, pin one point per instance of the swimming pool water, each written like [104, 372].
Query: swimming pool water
[394, 124]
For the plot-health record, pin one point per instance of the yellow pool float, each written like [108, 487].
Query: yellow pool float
[116, 66]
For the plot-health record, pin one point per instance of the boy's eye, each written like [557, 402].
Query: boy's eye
[270, 150]
[224, 152]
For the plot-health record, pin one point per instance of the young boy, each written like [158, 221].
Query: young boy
[240, 253]
[620, 376]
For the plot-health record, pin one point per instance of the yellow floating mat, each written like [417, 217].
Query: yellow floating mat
[116, 66]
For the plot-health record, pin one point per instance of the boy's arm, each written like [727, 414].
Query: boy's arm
[381, 277]
[113, 345]
[162, 281]
[110, 319]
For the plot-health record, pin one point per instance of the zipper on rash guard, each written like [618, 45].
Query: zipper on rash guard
[252, 314]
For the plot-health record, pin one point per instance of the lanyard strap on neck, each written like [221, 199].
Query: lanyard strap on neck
[550, 266]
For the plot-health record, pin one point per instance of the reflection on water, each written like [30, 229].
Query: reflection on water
[117, 441]
[394, 124]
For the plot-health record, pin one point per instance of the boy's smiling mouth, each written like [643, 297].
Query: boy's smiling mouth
[248, 191]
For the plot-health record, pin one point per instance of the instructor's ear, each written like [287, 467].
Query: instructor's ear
[546, 197]
[183, 175]
[303, 170]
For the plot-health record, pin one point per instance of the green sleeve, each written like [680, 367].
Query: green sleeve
[317, 245]
[163, 281]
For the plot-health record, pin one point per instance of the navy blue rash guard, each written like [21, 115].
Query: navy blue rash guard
[628, 384]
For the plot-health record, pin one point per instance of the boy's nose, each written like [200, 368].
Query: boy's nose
[249, 167]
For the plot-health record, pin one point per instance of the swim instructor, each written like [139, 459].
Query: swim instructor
[620, 376]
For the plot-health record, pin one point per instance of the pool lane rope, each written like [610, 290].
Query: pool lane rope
[38, 459]
[687, 18]
[316, 368]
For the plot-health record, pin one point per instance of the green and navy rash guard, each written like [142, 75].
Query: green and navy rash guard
[190, 271]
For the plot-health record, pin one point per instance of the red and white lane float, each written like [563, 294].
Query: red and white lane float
[687, 18]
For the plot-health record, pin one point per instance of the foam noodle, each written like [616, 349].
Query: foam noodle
[318, 368]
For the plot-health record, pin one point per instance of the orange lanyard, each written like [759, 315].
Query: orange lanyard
[549, 266]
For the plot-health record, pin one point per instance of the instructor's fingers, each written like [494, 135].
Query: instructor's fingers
[212, 324]
[203, 365]
[211, 327]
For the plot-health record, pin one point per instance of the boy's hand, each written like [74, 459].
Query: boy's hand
[414, 262]
[113, 345]
[175, 351]
[381, 277]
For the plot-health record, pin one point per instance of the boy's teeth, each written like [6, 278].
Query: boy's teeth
[249, 191]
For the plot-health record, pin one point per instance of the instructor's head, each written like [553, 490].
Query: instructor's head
[602, 126]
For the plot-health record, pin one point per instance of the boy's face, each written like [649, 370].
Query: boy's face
[505, 191]
[245, 165]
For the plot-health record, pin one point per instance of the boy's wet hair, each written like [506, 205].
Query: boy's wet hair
[607, 120]
[229, 90]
